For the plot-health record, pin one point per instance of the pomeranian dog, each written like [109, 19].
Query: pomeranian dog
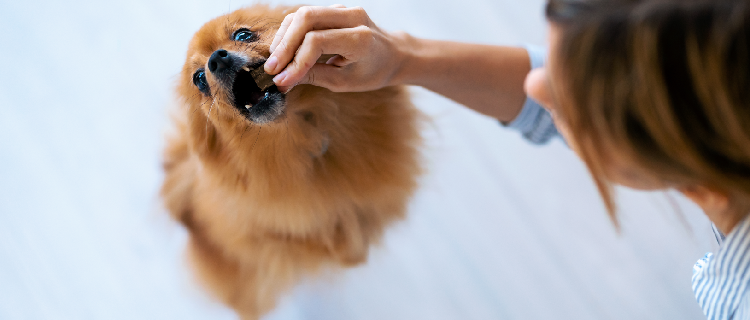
[274, 186]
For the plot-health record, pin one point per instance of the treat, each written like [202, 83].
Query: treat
[262, 79]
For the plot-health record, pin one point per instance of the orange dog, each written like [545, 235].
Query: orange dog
[274, 186]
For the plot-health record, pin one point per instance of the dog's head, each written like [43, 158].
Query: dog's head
[216, 74]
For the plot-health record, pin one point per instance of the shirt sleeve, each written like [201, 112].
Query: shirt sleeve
[743, 311]
[534, 122]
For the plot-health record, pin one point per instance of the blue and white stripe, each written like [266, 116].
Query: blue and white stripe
[720, 281]
[534, 122]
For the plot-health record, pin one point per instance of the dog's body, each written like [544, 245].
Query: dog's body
[274, 186]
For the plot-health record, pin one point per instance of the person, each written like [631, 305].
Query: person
[650, 94]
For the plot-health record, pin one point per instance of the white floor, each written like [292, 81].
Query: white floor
[500, 229]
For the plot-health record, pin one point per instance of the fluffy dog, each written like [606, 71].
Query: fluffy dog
[272, 186]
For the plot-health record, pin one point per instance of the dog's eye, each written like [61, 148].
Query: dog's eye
[243, 35]
[199, 79]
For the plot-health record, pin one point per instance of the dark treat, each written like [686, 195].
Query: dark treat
[262, 79]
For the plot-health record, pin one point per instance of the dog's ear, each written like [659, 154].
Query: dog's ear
[179, 173]
[350, 243]
[204, 137]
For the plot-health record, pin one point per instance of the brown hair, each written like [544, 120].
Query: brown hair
[664, 83]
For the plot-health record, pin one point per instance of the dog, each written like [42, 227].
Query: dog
[273, 187]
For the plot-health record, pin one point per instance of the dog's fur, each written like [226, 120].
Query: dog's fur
[267, 202]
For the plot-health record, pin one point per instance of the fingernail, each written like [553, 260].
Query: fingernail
[279, 77]
[271, 63]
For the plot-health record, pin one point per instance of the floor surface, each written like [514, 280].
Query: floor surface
[499, 229]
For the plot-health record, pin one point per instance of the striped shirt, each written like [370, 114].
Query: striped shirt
[721, 280]
[534, 122]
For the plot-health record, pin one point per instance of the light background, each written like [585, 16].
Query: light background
[499, 229]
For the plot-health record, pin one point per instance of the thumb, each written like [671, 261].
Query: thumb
[322, 75]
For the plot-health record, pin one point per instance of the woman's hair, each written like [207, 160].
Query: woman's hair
[662, 84]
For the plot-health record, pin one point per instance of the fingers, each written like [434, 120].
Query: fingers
[282, 30]
[347, 44]
[285, 26]
[296, 25]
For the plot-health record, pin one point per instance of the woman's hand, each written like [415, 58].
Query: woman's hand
[486, 78]
[363, 57]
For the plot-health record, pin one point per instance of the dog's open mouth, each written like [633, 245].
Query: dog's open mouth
[260, 106]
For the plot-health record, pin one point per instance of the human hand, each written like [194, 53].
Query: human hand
[362, 56]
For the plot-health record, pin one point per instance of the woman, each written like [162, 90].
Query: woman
[650, 94]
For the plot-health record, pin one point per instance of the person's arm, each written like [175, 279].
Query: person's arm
[488, 79]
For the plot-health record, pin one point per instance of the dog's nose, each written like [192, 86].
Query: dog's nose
[219, 61]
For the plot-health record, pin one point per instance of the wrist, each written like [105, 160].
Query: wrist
[424, 62]
[405, 57]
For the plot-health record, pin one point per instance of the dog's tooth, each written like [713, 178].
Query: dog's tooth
[247, 106]
[246, 68]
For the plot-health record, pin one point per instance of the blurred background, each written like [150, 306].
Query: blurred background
[499, 229]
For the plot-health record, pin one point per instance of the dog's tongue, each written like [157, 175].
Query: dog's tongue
[262, 79]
